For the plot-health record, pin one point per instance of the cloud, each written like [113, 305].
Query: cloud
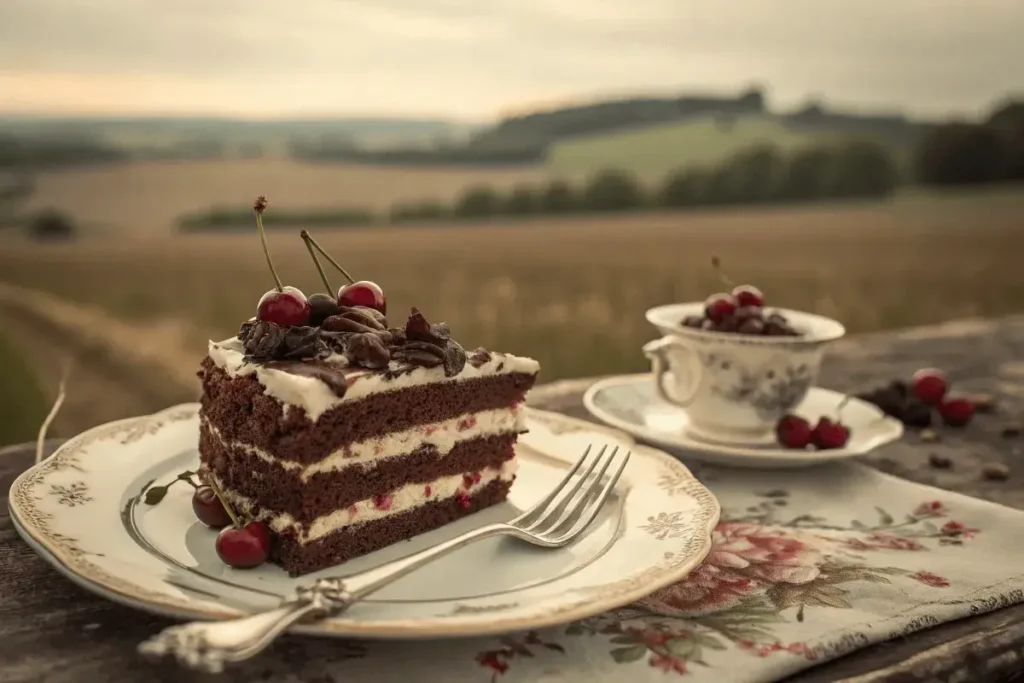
[475, 57]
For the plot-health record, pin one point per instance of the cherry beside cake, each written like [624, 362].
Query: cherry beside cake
[344, 434]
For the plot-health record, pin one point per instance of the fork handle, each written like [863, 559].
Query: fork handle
[364, 583]
[208, 646]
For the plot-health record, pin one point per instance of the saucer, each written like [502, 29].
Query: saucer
[631, 403]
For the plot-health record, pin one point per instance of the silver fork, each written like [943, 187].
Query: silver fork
[557, 520]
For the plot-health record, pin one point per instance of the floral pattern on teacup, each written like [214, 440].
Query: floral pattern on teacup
[771, 388]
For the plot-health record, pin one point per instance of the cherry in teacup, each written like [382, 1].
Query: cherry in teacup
[286, 306]
[748, 295]
[739, 311]
[719, 307]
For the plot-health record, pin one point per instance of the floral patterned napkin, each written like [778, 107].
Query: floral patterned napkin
[806, 566]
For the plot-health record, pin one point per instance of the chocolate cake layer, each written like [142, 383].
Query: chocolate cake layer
[364, 538]
[281, 490]
[241, 411]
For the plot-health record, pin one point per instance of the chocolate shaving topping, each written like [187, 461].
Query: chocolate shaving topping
[341, 323]
[362, 336]
[335, 341]
[420, 353]
[366, 350]
[264, 341]
[417, 328]
[429, 346]
[382, 322]
[454, 358]
[479, 357]
[303, 342]
[397, 335]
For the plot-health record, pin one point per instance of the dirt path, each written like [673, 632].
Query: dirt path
[119, 370]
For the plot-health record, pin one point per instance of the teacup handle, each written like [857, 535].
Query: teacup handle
[660, 366]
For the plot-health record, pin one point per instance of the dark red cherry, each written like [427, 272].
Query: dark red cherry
[321, 307]
[289, 307]
[956, 411]
[829, 434]
[718, 307]
[748, 295]
[363, 293]
[929, 385]
[793, 431]
[209, 509]
[244, 547]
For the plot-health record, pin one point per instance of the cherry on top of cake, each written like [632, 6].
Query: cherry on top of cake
[350, 327]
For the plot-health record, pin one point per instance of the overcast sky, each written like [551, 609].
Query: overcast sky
[476, 59]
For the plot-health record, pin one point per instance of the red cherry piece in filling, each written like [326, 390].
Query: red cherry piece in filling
[464, 500]
[748, 295]
[956, 411]
[793, 431]
[827, 434]
[382, 502]
[288, 308]
[718, 307]
[363, 293]
[208, 508]
[929, 385]
[245, 547]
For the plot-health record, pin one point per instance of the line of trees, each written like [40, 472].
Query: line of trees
[961, 153]
[856, 169]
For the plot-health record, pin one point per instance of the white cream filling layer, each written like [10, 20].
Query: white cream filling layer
[316, 398]
[401, 500]
[442, 435]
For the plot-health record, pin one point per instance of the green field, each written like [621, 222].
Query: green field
[653, 151]
[22, 405]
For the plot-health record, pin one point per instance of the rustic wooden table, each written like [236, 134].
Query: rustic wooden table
[53, 631]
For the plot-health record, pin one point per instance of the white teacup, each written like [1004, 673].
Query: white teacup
[735, 387]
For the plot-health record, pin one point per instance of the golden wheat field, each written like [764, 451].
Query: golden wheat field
[149, 197]
[572, 293]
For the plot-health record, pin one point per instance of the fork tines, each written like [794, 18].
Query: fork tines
[575, 502]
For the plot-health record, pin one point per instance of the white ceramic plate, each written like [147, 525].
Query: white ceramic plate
[631, 403]
[81, 509]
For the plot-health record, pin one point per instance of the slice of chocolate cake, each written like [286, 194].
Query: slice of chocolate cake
[348, 436]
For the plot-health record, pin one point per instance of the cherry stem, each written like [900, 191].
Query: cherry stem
[312, 254]
[310, 241]
[716, 263]
[227, 508]
[839, 408]
[266, 249]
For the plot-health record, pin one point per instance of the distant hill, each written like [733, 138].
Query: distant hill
[211, 137]
[547, 135]
[708, 139]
